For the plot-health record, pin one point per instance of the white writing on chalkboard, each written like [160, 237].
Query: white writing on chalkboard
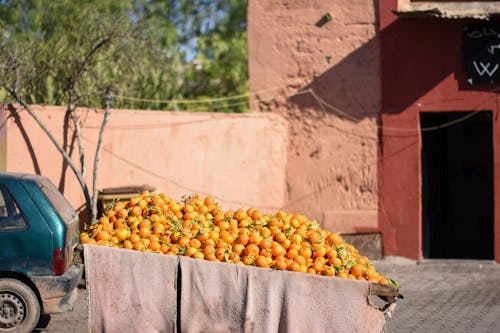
[491, 48]
[478, 33]
[481, 52]
[485, 68]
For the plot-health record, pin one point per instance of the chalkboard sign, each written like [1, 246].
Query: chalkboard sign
[481, 52]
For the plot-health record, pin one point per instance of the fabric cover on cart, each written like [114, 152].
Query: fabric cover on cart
[132, 291]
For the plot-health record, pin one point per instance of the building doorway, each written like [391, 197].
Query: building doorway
[457, 185]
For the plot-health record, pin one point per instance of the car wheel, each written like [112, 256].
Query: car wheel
[19, 307]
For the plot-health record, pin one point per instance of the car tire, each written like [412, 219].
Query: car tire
[19, 307]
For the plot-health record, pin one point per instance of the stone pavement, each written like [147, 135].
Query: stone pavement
[439, 296]
[444, 295]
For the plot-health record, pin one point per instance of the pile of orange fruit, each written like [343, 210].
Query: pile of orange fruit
[198, 227]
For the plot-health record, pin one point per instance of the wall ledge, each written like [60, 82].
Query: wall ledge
[450, 10]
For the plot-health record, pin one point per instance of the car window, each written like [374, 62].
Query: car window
[61, 205]
[10, 215]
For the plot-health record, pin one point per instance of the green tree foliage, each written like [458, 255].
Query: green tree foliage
[62, 36]
[220, 66]
[147, 49]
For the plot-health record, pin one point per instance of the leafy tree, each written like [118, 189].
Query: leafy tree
[181, 49]
[143, 63]
[219, 34]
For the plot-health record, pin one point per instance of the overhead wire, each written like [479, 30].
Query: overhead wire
[321, 102]
[423, 129]
[197, 101]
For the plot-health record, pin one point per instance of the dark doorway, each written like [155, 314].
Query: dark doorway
[457, 185]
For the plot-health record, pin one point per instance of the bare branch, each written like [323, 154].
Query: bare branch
[78, 132]
[97, 156]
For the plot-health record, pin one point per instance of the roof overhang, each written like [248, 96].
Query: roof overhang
[452, 10]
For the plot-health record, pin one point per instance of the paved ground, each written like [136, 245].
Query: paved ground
[439, 296]
[445, 296]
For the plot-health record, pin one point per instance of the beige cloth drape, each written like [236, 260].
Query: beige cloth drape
[132, 291]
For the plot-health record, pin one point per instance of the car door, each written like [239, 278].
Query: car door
[22, 243]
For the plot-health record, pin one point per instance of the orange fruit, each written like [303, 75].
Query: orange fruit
[184, 241]
[243, 239]
[190, 251]
[300, 259]
[144, 232]
[134, 238]
[372, 275]
[154, 246]
[383, 280]
[139, 246]
[331, 253]
[238, 248]
[122, 233]
[103, 235]
[281, 263]
[306, 252]
[252, 250]
[262, 261]
[292, 253]
[266, 243]
[194, 242]
[294, 266]
[208, 249]
[198, 255]
[357, 270]
[84, 236]
[199, 227]
[127, 244]
[145, 223]
[336, 262]
[277, 250]
[240, 214]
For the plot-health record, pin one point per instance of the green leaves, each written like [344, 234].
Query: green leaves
[73, 51]
[349, 264]
[220, 55]
[342, 253]
[394, 283]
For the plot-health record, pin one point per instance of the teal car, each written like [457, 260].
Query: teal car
[38, 233]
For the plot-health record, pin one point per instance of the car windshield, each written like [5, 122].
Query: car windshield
[57, 200]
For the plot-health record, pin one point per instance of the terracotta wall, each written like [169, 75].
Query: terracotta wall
[323, 78]
[238, 159]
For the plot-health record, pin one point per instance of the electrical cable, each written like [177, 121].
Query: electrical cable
[197, 101]
[424, 129]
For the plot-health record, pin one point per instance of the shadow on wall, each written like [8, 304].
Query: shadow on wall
[68, 144]
[350, 89]
[414, 55]
[14, 113]
[417, 55]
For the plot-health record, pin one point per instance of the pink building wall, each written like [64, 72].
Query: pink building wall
[331, 172]
[239, 159]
